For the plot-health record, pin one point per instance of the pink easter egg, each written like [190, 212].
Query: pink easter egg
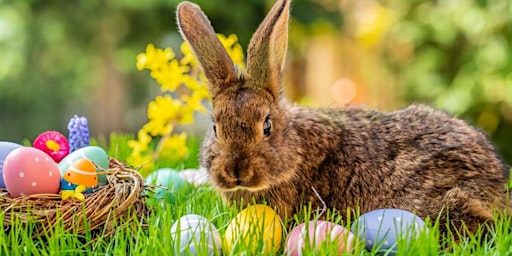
[315, 233]
[29, 171]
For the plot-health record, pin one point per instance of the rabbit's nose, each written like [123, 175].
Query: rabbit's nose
[238, 182]
[237, 175]
[240, 176]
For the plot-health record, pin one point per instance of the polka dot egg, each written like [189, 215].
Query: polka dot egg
[30, 171]
[382, 229]
[195, 235]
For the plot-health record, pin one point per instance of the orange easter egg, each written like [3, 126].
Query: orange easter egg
[82, 172]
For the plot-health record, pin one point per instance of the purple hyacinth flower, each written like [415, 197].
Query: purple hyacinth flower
[78, 133]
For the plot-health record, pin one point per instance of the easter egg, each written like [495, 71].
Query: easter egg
[30, 171]
[66, 185]
[256, 229]
[5, 148]
[82, 172]
[95, 154]
[315, 234]
[195, 235]
[381, 229]
[170, 184]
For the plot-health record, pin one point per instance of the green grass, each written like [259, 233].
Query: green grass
[132, 239]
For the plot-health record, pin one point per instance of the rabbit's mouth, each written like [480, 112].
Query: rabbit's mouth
[229, 183]
[241, 188]
[237, 186]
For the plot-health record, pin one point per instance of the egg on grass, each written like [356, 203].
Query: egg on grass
[257, 229]
[170, 185]
[195, 235]
[383, 229]
[318, 236]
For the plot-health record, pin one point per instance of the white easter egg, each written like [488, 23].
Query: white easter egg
[195, 235]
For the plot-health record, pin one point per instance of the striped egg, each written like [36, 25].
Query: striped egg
[82, 172]
[318, 235]
[95, 154]
[195, 235]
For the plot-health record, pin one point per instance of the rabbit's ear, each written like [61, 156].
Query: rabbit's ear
[267, 49]
[206, 47]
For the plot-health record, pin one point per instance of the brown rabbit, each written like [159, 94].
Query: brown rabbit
[262, 148]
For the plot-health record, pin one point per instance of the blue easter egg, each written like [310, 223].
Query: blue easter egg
[5, 148]
[381, 229]
[169, 183]
[195, 235]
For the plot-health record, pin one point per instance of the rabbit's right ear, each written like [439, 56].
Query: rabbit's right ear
[206, 47]
[267, 49]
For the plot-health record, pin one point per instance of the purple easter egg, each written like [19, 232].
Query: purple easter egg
[381, 229]
[5, 148]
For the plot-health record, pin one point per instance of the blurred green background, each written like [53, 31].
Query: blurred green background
[61, 58]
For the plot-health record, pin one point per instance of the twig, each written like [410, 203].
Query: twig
[324, 208]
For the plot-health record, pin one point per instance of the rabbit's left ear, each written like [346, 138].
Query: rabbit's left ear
[267, 49]
[213, 58]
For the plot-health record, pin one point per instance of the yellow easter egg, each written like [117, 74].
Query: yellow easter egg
[256, 229]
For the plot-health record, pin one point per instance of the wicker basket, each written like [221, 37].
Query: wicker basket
[121, 199]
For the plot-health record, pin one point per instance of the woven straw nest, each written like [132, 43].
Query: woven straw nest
[121, 199]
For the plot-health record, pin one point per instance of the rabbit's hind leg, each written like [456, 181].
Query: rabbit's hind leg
[465, 212]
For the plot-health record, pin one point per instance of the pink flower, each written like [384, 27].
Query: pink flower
[52, 143]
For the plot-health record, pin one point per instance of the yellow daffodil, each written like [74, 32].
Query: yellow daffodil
[188, 57]
[154, 58]
[184, 91]
[141, 144]
[233, 48]
[170, 75]
[175, 147]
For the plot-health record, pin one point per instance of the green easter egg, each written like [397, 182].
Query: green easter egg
[170, 184]
[95, 154]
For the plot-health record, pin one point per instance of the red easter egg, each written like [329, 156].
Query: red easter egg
[316, 233]
[30, 171]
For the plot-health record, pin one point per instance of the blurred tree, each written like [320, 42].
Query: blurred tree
[61, 58]
[71, 57]
[457, 55]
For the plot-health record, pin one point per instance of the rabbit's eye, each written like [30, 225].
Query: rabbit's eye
[266, 127]
[215, 129]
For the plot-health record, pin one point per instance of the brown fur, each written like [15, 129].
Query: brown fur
[417, 159]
